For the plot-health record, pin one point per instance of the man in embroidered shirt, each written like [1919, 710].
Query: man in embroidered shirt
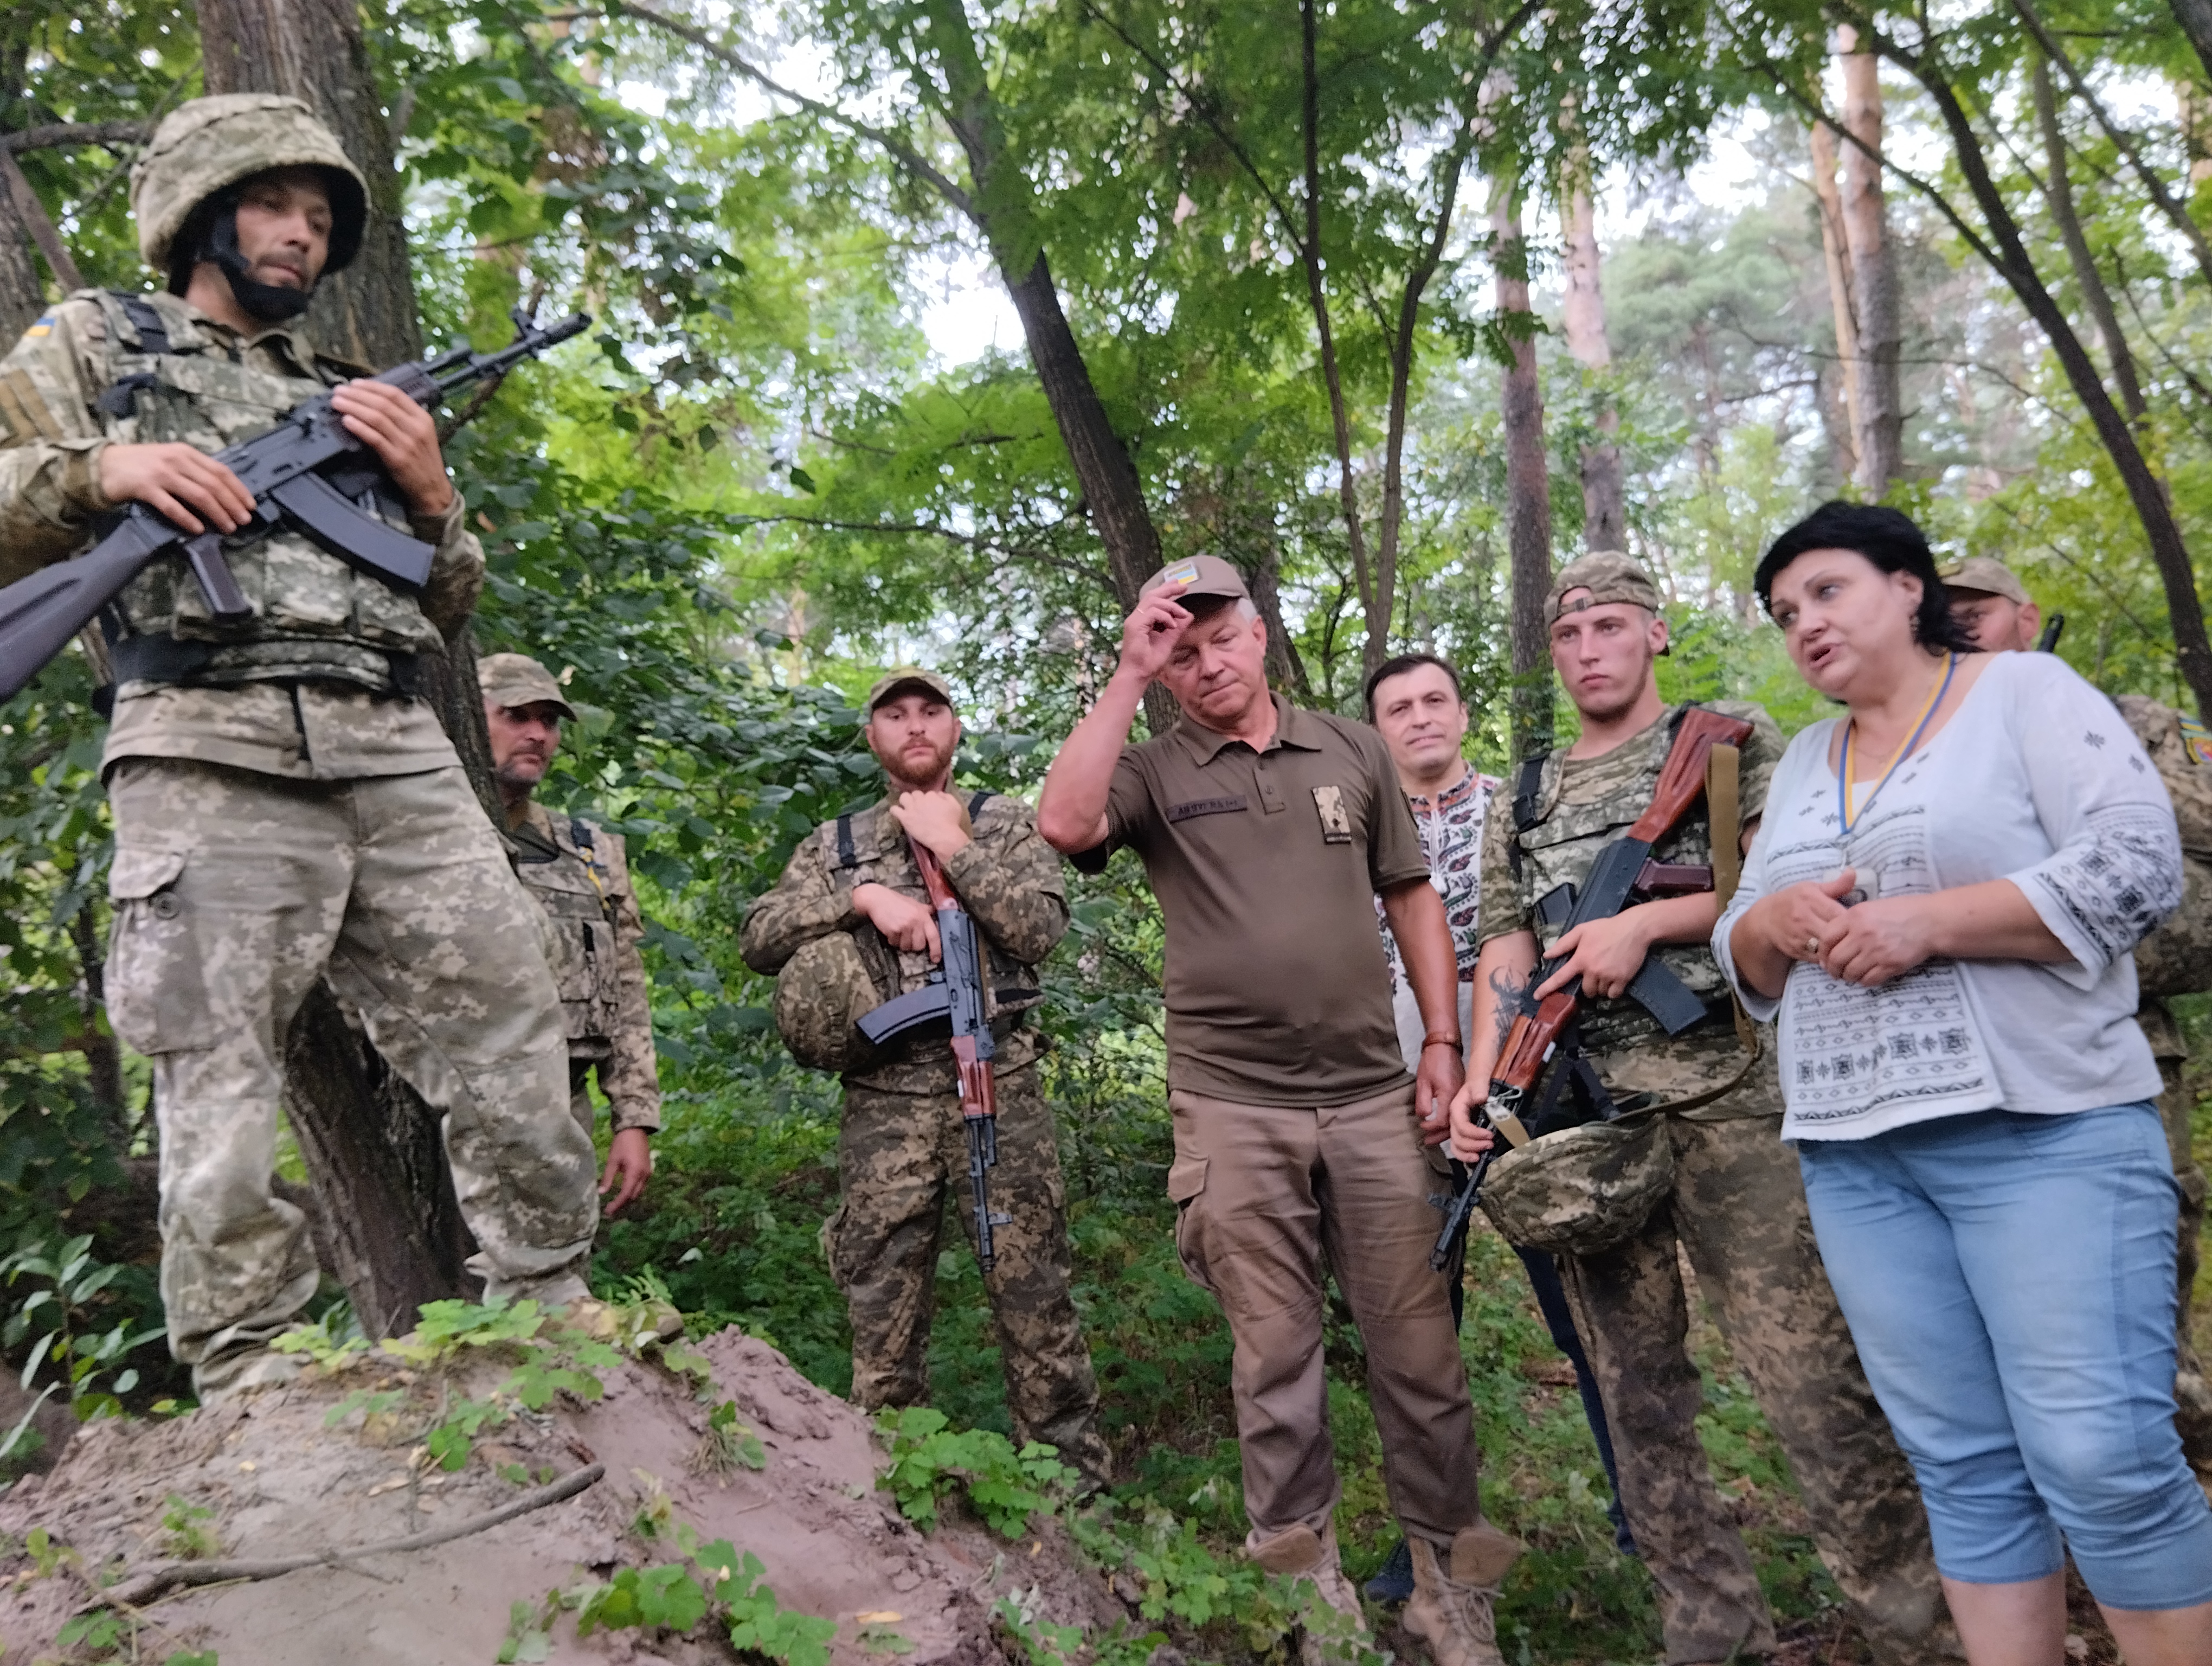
[1415, 704]
[1266, 832]
[579, 874]
[901, 1144]
[1737, 1205]
[284, 808]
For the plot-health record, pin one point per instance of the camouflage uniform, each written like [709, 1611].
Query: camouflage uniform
[902, 1146]
[282, 808]
[579, 874]
[2172, 961]
[1738, 1207]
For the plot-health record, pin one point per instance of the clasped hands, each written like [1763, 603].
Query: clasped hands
[1867, 944]
[939, 822]
[196, 492]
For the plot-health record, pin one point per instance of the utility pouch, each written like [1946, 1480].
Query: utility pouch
[1555, 907]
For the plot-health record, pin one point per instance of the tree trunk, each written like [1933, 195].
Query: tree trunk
[1605, 504]
[2146, 491]
[1002, 209]
[1880, 430]
[2059, 190]
[1834, 250]
[21, 300]
[388, 1226]
[1527, 482]
[2195, 17]
[314, 51]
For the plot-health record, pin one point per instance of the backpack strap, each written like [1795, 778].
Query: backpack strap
[1528, 796]
[976, 804]
[116, 399]
[579, 835]
[846, 856]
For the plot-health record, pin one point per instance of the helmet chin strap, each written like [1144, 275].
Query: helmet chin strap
[271, 303]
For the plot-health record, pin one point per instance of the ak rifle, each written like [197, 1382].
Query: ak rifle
[1623, 875]
[307, 472]
[954, 994]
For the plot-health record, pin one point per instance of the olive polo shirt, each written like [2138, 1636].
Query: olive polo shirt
[1265, 865]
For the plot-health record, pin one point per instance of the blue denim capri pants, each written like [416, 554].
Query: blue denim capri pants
[2009, 1280]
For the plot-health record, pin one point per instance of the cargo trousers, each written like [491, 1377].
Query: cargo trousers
[1738, 1207]
[1263, 1192]
[233, 892]
[901, 1158]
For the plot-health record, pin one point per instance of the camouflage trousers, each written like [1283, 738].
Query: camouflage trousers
[233, 892]
[1738, 1206]
[899, 1156]
[2192, 1393]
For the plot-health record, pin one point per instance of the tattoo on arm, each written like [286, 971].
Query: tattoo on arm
[1508, 989]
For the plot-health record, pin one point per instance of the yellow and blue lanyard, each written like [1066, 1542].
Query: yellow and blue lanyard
[1843, 782]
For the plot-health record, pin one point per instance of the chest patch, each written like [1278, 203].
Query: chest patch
[1184, 812]
[1335, 825]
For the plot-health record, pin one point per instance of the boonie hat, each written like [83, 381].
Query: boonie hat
[906, 677]
[1984, 573]
[1198, 575]
[516, 679]
[1609, 576]
[1581, 1191]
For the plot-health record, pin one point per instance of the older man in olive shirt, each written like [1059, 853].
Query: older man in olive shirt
[1267, 832]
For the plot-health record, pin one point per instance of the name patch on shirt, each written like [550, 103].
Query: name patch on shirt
[1184, 812]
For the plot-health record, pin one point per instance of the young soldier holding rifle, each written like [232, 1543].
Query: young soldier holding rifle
[1681, 1144]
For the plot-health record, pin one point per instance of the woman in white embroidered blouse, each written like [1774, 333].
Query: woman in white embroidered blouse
[1939, 906]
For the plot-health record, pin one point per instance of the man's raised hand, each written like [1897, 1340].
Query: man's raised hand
[938, 820]
[1150, 633]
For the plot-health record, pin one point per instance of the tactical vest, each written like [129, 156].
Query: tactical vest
[1554, 844]
[314, 617]
[571, 882]
[847, 847]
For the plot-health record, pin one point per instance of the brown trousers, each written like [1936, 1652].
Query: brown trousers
[1262, 1193]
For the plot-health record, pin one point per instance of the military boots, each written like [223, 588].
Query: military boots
[1450, 1609]
[1337, 1630]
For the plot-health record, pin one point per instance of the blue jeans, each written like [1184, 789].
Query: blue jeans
[2010, 1282]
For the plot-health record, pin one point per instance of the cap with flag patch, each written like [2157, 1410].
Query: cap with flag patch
[1198, 575]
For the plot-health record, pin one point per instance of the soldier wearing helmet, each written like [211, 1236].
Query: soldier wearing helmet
[285, 808]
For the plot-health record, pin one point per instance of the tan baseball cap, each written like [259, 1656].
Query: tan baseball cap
[907, 677]
[516, 679]
[1986, 573]
[1609, 576]
[1198, 575]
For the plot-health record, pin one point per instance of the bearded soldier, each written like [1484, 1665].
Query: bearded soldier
[1712, 1108]
[849, 926]
[579, 873]
[285, 809]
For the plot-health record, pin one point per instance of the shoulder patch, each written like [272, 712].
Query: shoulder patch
[45, 326]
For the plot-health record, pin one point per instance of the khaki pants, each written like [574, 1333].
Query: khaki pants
[1739, 1208]
[1263, 1192]
[233, 892]
[900, 1158]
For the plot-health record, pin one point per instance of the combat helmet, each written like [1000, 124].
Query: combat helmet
[184, 189]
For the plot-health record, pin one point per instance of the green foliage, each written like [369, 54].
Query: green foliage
[185, 1534]
[929, 1460]
[729, 1444]
[60, 1318]
[1045, 1644]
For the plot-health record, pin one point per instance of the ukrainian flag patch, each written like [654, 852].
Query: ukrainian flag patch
[45, 326]
[2199, 742]
[1187, 574]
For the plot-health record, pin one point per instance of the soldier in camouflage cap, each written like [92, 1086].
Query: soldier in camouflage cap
[579, 873]
[1735, 1204]
[1995, 610]
[902, 1145]
[285, 809]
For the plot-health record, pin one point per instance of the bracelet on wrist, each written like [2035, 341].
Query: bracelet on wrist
[1452, 1041]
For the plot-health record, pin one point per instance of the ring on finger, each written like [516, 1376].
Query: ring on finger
[1812, 945]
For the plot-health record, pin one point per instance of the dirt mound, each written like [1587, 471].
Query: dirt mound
[279, 1472]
